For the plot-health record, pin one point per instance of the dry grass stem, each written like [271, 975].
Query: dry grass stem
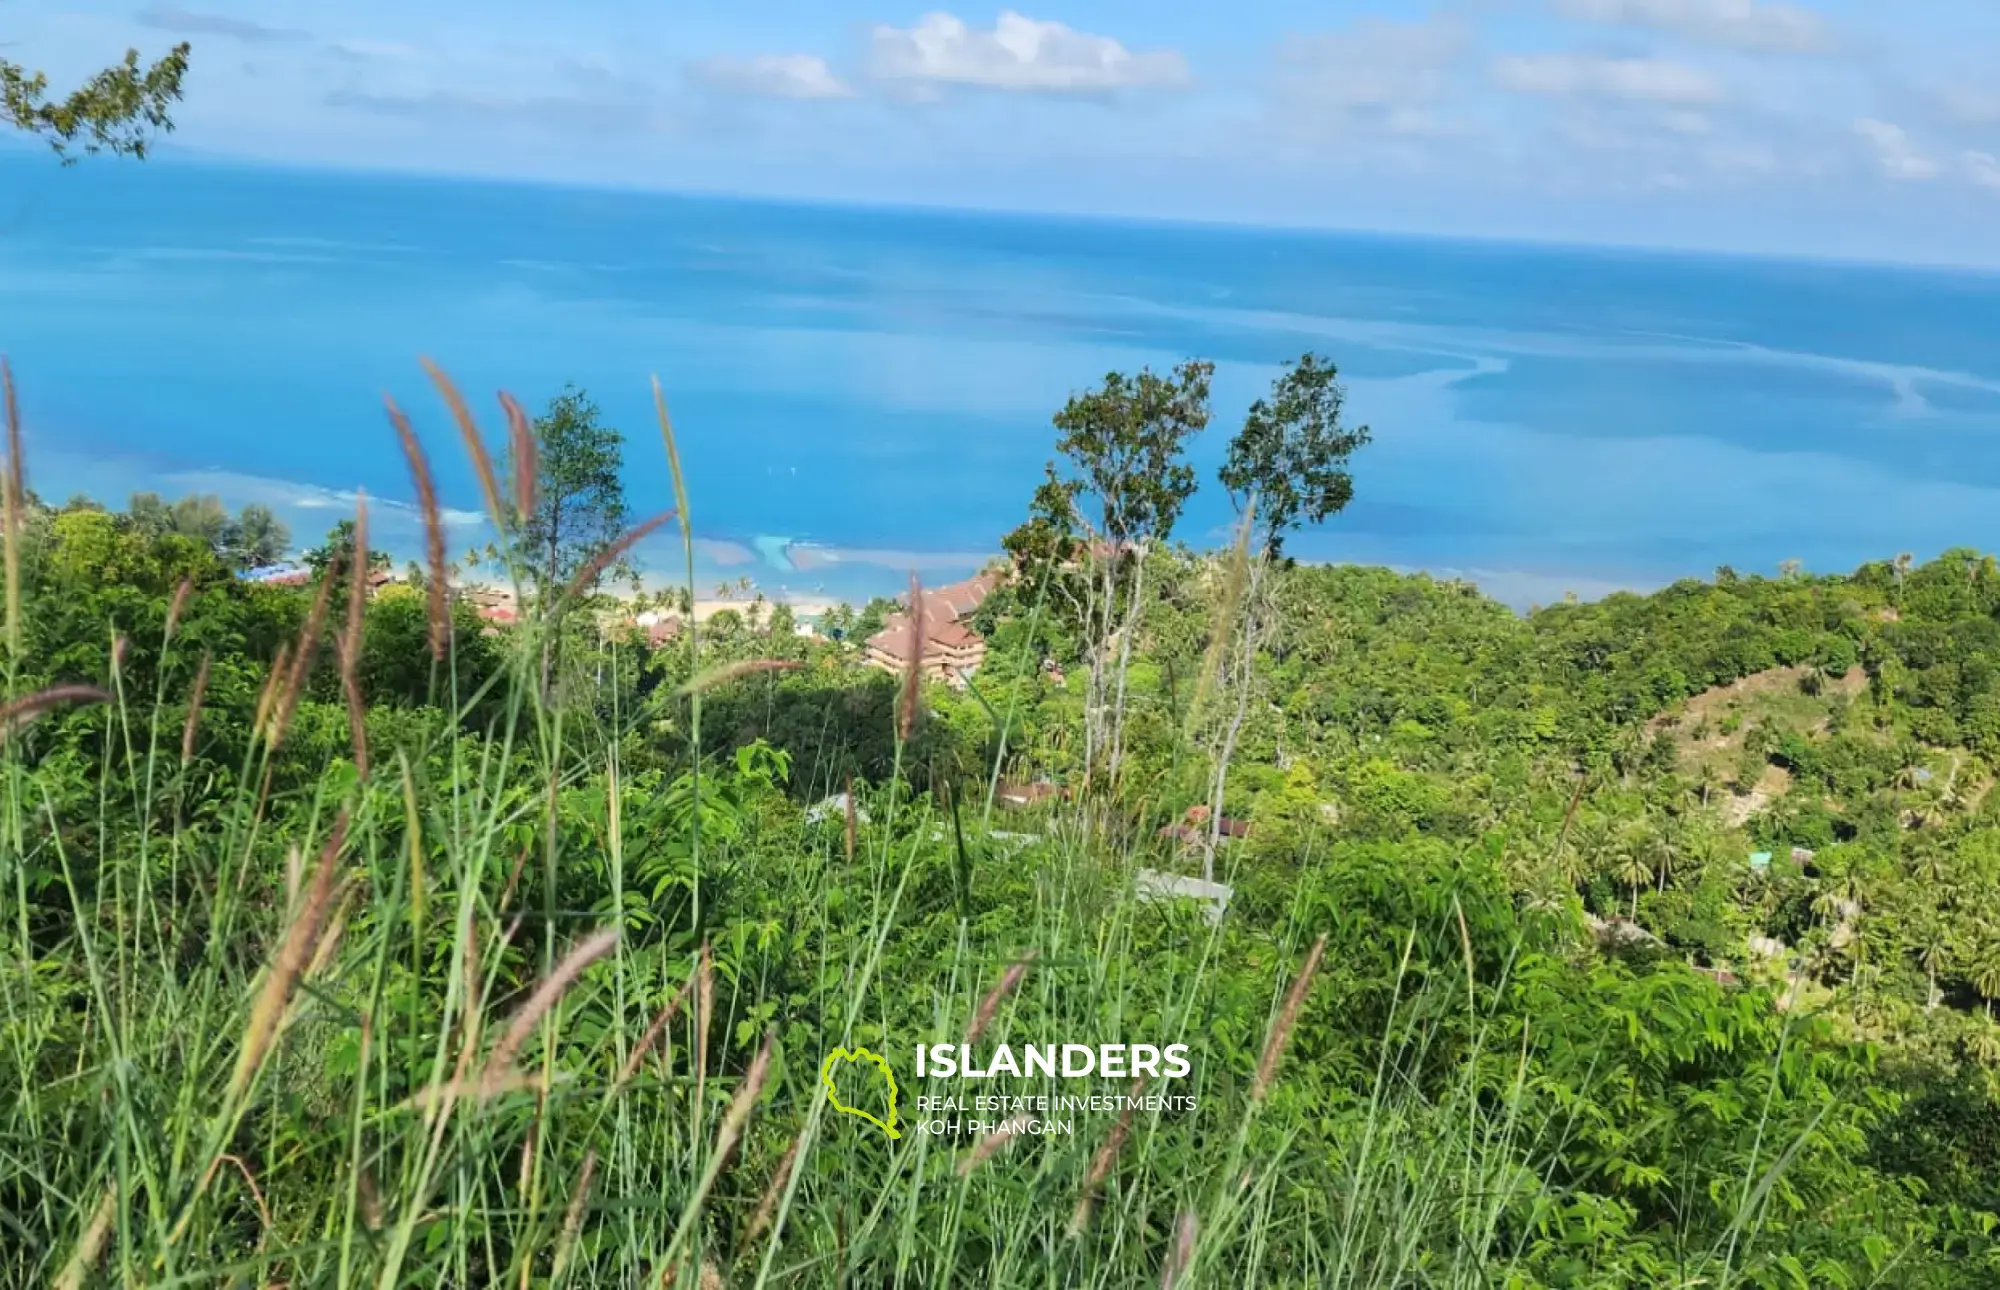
[546, 996]
[848, 809]
[23, 710]
[704, 1010]
[304, 655]
[673, 461]
[350, 644]
[1100, 1164]
[990, 1005]
[297, 950]
[435, 588]
[1186, 1229]
[654, 1030]
[573, 1217]
[767, 1205]
[587, 577]
[274, 680]
[195, 695]
[475, 444]
[745, 1100]
[913, 668]
[522, 450]
[1281, 1030]
[90, 1245]
[983, 1150]
[178, 605]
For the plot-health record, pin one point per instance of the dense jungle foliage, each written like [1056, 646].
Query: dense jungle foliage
[1647, 942]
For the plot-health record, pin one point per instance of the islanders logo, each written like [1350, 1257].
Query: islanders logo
[888, 1077]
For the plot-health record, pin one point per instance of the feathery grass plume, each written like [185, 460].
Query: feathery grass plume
[704, 1010]
[573, 1218]
[329, 941]
[1224, 622]
[913, 668]
[1186, 1229]
[848, 809]
[178, 604]
[673, 461]
[195, 696]
[13, 499]
[120, 647]
[728, 672]
[990, 1005]
[745, 1100]
[1100, 1164]
[297, 950]
[274, 680]
[295, 869]
[475, 444]
[350, 644]
[767, 1205]
[513, 880]
[521, 445]
[420, 475]
[654, 1030]
[90, 1245]
[304, 656]
[524, 1174]
[23, 710]
[1281, 1029]
[587, 576]
[501, 1063]
[433, 1097]
[983, 1150]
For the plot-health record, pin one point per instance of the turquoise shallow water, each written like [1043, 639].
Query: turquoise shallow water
[862, 392]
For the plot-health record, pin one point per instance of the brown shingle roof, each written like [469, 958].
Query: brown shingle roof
[894, 638]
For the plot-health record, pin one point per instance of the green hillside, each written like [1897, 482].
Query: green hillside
[352, 939]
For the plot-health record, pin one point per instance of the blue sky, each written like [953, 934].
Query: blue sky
[1826, 127]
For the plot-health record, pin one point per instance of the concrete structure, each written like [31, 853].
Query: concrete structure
[1151, 885]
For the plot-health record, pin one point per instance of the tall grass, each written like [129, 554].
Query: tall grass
[226, 1069]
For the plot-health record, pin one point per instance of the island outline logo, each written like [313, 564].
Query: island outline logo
[860, 1054]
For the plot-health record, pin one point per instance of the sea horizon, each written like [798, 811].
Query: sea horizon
[1547, 418]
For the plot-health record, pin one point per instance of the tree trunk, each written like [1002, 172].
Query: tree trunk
[1246, 665]
[1133, 610]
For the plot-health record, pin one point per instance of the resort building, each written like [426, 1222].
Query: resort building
[950, 650]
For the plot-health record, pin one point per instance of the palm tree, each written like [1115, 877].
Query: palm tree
[257, 538]
[1663, 853]
[1934, 952]
[1985, 973]
[1629, 866]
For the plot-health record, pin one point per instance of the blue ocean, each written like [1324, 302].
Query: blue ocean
[859, 393]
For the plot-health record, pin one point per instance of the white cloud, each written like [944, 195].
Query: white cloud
[1592, 76]
[785, 76]
[1764, 25]
[1019, 54]
[1983, 169]
[1893, 151]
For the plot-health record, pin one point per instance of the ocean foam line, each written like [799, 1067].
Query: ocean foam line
[1453, 342]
